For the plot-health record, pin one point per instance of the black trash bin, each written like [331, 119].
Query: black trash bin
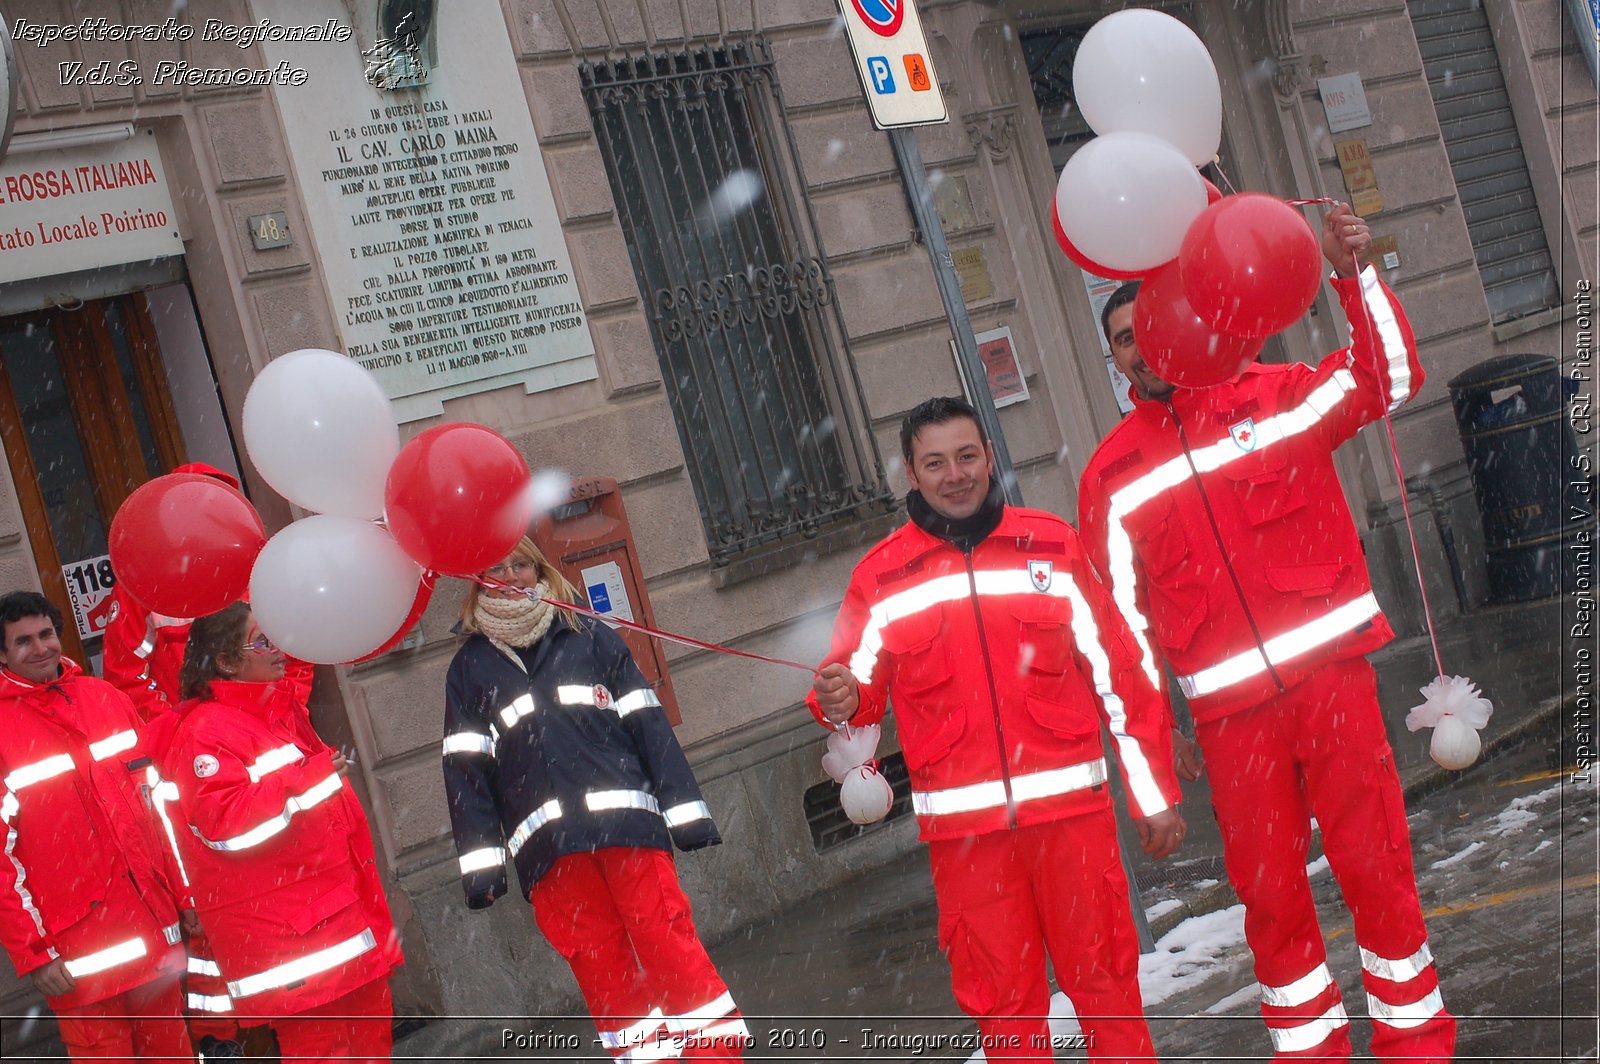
[1511, 412]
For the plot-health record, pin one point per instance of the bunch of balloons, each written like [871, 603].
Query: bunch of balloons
[346, 583]
[1221, 273]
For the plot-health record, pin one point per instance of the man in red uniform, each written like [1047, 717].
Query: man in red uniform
[1217, 520]
[88, 902]
[1003, 654]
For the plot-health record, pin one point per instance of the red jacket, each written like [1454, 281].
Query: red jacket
[1249, 575]
[86, 877]
[1001, 665]
[277, 851]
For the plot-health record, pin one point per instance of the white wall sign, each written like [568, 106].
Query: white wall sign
[83, 208]
[607, 593]
[431, 212]
[1344, 100]
[893, 60]
[89, 585]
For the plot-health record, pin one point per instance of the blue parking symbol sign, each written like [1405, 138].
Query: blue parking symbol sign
[599, 598]
[882, 74]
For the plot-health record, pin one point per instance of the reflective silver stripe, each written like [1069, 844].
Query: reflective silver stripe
[115, 744]
[730, 1029]
[537, 819]
[1174, 471]
[144, 650]
[274, 759]
[9, 807]
[1391, 341]
[606, 801]
[482, 859]
[633, 1034]
[697, 1019]
[1397, 971]
[318, 792]
[575, 694]
[522, 707]
[686, 813]
[209, 1003]
[38, 772]
[992, 793]
[662, 1049]
[907, 603]
[1300, 991]
[468, 743]
[1413, 1014]
[633, 701]
[202, 966]
[172, 933]
[304, 967]
[20, 883]
[161, 792]
[1310, 1034]
[1281, 649]
[121, 953]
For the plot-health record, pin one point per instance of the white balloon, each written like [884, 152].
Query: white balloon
[1126, 200]
[321, 431]
[1143, 71]
[849, 747]
[865, 795]
[1455, 743]
[328, 589]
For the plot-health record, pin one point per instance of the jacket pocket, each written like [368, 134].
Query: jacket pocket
[1044, 637]
[1071, 717]
[1267, 486]
[1158, 537]
[303, 918]
[916, 652]
[928, 734]
[1311, 581]
[1179, 614]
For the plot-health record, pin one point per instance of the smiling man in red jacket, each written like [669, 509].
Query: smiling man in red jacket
[88, 898]
[1216, 517]
[1002, 653]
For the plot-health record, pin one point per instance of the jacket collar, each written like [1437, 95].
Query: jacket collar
[14, 686]
[264, 701]
[963, 533]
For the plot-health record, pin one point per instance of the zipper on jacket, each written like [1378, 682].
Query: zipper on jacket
[1222, 550]
[994, 693]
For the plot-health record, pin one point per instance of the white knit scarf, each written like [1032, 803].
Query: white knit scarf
[514, 622]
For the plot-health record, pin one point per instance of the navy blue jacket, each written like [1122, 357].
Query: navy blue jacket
[561, 748]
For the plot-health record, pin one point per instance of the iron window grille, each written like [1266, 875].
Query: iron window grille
[710, 193]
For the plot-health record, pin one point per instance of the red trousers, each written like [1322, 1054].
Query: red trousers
[1320, 750]
[205, 998]
[1007, 899]
[145, 1023]
[355, 1029]
[622, 922]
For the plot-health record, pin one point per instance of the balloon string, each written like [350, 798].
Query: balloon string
[644, 629]
[1309, 202]
[1405, 502]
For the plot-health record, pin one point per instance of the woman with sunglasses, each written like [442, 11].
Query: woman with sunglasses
[559, 759]
[277, 850]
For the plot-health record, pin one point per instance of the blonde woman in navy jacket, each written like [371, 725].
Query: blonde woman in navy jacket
[559, 759]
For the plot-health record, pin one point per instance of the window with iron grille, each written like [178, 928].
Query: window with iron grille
[709, 190]
[1480, 136]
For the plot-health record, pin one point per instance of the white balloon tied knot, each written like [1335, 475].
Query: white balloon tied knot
[864, 793]
[1454, 708]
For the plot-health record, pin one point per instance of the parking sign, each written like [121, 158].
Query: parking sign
[893, 61]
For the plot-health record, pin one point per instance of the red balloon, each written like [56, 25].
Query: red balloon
[1251, 264]
[1083, 261]
[1178, 344]
[418, 607]
[1213, 193]
[457, 498]
[183, 544]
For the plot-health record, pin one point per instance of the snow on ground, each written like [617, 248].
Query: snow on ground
[1162, 908]
[1457, 858]
[1190, 954]
[1520, 812]
[1250, 995]
[1542, 845]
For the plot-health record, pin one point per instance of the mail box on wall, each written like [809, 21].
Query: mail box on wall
[589, 540]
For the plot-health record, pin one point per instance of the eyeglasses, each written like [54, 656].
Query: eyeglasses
[260, 645]
[500, 572]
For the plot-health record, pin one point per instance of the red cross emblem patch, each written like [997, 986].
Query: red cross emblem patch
[1244, 434]
[602, 697]
[1041, 573]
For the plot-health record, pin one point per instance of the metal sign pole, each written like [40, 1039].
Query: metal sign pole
[909, 155]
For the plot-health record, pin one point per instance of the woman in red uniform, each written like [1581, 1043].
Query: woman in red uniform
[278, 852]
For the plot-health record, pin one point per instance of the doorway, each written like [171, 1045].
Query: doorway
[86, 416]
